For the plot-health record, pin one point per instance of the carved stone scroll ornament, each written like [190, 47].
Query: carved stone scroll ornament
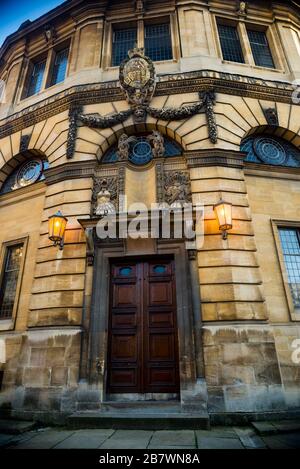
[90, 248]
[24, 142]
[104, 196]
[271, 116]
[74, 111]
[208, 100]
[177, 191]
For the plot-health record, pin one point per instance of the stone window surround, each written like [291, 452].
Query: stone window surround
[9, 323]
[49, 55]
[241, 25]
[294, 312]
[139, 23]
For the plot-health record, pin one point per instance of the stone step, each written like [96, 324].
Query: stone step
[138, 420]
[15, 427]
[276, 426]
[141, 406]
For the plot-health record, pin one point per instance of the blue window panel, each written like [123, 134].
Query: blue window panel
[230, 43]
[125, 271]
[260, 49]
[123, 41]
[36, 78]
[159, 269]
[290, 243]
[29, 172]
[60, 67]
[267, 149]
[158, 45]
[140, 151]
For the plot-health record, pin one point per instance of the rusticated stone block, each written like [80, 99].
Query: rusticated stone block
[73, 376]
[59, 375]
[212, 375]
[36, 377]
[267, 373]
[31, 398]
[237, 375]
[38, 356]
[55, 356]
[216, 402]
[49, 399]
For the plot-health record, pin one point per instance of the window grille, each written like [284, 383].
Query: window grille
[36, 78]
[123, 40]
[290, 242]
[59, 67]
[9, 281]
[230, 43]
[158, 44]
[260, 49]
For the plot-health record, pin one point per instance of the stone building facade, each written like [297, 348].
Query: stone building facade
[209, 110]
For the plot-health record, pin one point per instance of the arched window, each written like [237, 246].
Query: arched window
[267, 149]
[140, 150]
[25, 174]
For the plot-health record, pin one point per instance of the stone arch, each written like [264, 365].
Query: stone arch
[10, 166]
[277, 131]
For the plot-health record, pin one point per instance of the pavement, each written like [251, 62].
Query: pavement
[260, 435]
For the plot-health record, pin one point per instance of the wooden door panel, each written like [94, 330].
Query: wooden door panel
[162, 378]
[160, 293]
[123, 320]
[142, 348]
[123, 379]
[124, 296]
[161, 319]
[161, 347]
[124, 347]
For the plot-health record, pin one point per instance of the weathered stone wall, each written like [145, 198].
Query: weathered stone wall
[241, 369]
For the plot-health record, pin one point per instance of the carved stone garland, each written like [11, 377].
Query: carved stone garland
[137, 78]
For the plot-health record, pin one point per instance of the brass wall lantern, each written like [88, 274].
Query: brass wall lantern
[56, 229]
[223, 211]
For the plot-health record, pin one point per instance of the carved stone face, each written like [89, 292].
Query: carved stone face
[136, 72]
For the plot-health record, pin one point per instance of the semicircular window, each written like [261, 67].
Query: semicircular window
[141, 151]
[270, 150]
[27, 173]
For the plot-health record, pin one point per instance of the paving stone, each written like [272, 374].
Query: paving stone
[176, 437]
[248, 437]
[218, 443]
[264, 428]
[288, 441]
[218, 432]
[45, 440]
[4, 439]
[171, 447]
[14, 427]
[128, 439]
[287, 426]
[87, 439]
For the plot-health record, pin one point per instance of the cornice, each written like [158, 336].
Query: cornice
[74, 170]
[179, 83]
[214, 157]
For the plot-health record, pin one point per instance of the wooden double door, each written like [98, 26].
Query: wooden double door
[142, 339]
